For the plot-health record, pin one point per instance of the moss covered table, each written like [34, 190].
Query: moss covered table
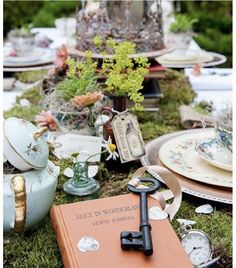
[38, 247]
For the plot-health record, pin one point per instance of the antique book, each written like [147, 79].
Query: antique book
[156, 71]
[88, 234]
[151, 89]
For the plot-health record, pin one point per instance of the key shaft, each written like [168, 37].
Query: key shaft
[145, 227]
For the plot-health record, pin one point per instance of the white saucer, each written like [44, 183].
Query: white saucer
[215, 154]
[181, 56]
[35, 57]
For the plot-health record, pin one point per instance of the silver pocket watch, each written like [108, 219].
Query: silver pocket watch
[197, 245]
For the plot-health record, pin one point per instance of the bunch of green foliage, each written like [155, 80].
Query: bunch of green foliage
[31, 76]
[52, 10]
[19, 13]
[124, 75]
[80, 78]
[27, 112]
[213, 26]
[40, 13]
[182, 23]
[23, 31]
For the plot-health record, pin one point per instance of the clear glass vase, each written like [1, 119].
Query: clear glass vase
[81, 184]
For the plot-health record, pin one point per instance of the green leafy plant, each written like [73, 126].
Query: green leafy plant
[182, 23]
[80, 78]
[124, 75]
[23, 31]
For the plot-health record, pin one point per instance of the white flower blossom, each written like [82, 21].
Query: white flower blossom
[111, 148]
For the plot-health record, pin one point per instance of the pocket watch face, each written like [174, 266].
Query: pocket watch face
[197, 245]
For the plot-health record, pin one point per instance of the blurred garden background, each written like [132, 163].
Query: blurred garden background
[213, 27]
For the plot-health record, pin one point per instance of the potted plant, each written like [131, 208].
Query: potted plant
[22, 39]
[181, 30]
[74, 101]
[80, 77]
[124, 74]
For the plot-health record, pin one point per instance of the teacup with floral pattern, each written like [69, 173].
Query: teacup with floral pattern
[224, 136]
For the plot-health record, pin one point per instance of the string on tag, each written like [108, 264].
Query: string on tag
[117, 112]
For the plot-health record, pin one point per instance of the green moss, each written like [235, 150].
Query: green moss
[31, 77]
[35, 248]
[38, 247]
[33, 96]
[152, 130]
[203, 107]
[176, 89]
[28, 113]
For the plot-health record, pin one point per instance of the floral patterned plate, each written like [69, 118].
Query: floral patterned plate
[179, 155]
[214, 153]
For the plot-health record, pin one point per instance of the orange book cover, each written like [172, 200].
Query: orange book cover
[104, 219]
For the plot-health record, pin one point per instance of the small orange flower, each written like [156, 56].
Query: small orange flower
[45, 118]
[87, 100]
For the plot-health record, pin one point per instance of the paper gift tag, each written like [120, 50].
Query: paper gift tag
[128, 137]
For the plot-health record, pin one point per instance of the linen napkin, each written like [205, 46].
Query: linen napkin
[192, 119]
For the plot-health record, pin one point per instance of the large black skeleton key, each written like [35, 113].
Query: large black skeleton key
[141, 240]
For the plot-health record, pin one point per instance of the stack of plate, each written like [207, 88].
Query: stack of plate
[182, 58]
[37, 58]
[202, 166]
